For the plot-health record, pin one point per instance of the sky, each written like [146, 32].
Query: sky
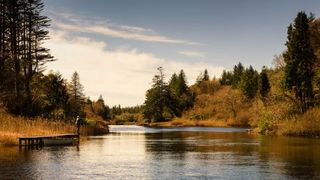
[117, 45]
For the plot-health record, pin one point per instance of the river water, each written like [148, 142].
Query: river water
[134, 152]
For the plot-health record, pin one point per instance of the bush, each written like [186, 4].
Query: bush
[265, 123]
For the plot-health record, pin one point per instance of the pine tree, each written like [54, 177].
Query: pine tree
[23, 30]
[3, 44]
[56, 92]
[34, 32]
[205, 75]
[249, 83]
[180, 94]
[76, 88]
[76, 95]
[182, 83]
[186, 97]
[238, 71]
[264, 85]
[300, 60]
[315, 43]
[101, 109]
[174, 84]
[226, 77]
[160, 104]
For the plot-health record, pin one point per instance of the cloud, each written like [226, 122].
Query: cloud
[70, 22]
[193, 54]
[122, 76]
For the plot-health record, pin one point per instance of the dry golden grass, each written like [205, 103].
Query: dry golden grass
[307, 124]
[12, 127]
[212, 123]
[175, 122]
[179, 122]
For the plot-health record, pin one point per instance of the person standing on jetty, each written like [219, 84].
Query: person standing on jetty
[78, 123]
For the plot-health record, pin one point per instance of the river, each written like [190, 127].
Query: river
[134, 152]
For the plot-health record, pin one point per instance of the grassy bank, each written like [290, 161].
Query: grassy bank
[179, 122]
[307, 125]
[13, 127]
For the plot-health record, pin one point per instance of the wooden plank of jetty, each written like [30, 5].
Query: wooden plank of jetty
[39, 140]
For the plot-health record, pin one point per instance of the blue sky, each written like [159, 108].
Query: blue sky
[127, 40]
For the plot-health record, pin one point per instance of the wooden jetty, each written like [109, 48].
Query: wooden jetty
[57, 139]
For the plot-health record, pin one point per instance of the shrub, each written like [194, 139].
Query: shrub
[265, 123]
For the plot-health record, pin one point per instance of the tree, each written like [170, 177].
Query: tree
[75, 87]
[238, 71]
[314, 29]
[174, 84]
[278, 62]
[34, 33]
[180, 93]
[3, 43]
[226, 77]
[232, 102]
[50, 96]
[300, 60]
[315, 43]
[23, 31]
[57, 94]
[160, 104]
[101, 109]
[182, 83]
[249, 83]
[264, 85]
[206, 75]
[203, 77]
[76, 95]
[185, 96]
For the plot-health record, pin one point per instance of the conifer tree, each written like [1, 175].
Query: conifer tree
[76, 95]
[264, 85]
[226, 77]
[160, 104]
[156, 98]
[101, 109]
[182, 83]
[300, 60]
[174, 84]
[206, 75]
[56, 92]
[238, 71]
[23, 31]
[249, 83]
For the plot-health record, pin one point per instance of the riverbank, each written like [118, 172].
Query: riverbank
[13, 127]
[307, 125]
[303, 125]
[189, 123]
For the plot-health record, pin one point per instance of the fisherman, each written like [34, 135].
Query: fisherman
[78, 123]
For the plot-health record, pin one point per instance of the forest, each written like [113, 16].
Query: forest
[283, 99]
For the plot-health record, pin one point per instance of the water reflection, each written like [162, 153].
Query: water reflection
[168, 154]
[298, 156]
